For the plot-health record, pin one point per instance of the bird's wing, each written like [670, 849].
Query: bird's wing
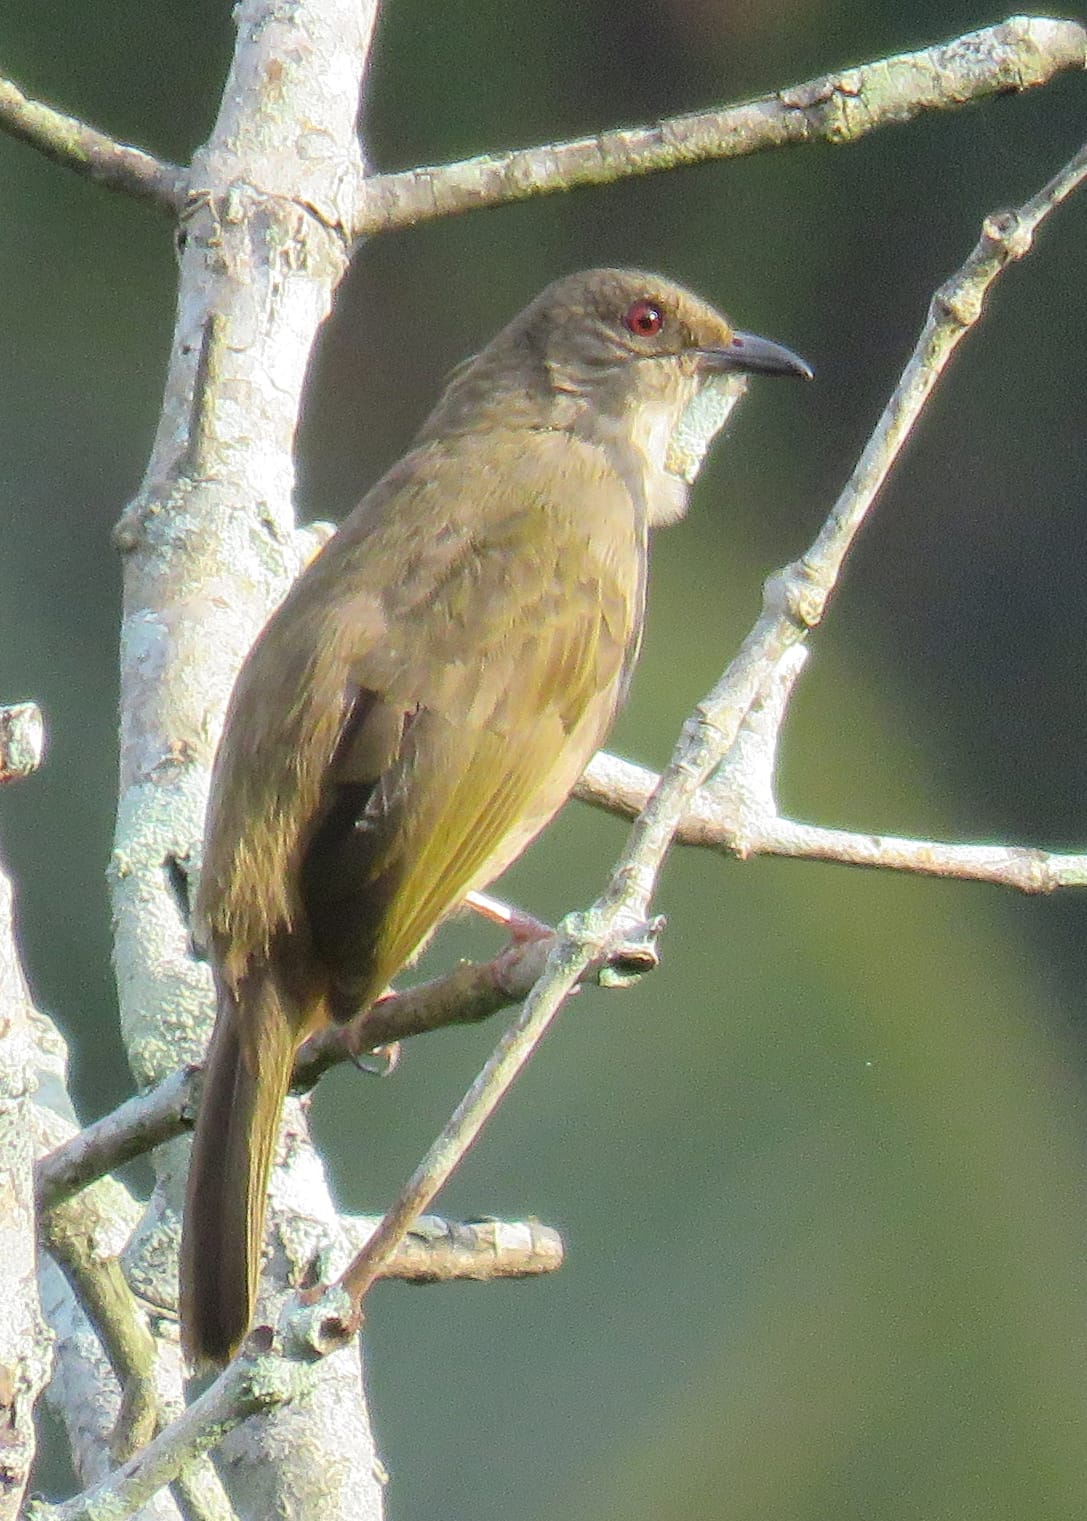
[497, 675]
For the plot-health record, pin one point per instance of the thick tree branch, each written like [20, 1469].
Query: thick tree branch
[210, 547]
[84, 149]
[25, 1340]
[1019, 54]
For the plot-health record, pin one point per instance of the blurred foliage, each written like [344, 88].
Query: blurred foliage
[822, 1176]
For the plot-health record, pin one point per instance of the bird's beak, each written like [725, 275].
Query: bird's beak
[750, 354]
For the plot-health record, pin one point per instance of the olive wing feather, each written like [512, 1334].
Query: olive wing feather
[443, 670]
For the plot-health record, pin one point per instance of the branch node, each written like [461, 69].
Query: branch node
[22, 740]
[798, 593]
[317, 1322]
[1010, 235]
[637, 955]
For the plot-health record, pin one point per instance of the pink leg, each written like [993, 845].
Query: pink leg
[520, 927]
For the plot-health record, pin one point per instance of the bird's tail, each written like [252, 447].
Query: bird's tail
[245, 1083]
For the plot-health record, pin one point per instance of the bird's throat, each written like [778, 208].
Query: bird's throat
[700, 422]
[659, 458]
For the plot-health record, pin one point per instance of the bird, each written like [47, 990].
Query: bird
[423, 701]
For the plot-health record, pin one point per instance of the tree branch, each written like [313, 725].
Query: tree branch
[471, 992]
[445, 1251]
[91, 153]
[794, 601]
[138, 1125]
[210, 546]
[72, 1234]
[716, 821]
[1018, 54]
[249, 1385]
[25, 1342]
[437, 1250]
[22, 740]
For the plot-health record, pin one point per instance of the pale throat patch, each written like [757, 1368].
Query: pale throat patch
[700, 422]
[656, 456]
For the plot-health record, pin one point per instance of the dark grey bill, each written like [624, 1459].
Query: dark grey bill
[756, 356]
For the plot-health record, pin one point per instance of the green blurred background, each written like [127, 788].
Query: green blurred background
[822, 1176]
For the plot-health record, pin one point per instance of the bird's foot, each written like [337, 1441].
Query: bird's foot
[375, 1061]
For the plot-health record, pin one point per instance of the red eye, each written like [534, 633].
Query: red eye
[644, 319]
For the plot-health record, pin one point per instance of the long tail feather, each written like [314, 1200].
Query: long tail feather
[232, 1153]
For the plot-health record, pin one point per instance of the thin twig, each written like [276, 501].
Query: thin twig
[84, 149]
[436, 1250]
[794, 601]
[1018, 54]
[251, 1383]
[132, 1129]
[471, 992]
[568, 958]
[714, 822]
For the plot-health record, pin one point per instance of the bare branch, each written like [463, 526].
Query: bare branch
[436, 1250]
[129, 1131]
[73, 1235]
[70, 142]
[714, 822]
[25, 1340]
[210, 547]
[737, 813]
[1019, 54]
[794, 601]
[442, 1251]
[249, 1385]
[471, 992]
[22, 740]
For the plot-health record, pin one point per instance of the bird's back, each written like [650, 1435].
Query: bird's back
[444, 671]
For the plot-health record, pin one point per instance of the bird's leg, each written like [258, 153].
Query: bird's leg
[520, 926]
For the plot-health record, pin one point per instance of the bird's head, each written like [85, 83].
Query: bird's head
[625, 337]
[618, 357]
